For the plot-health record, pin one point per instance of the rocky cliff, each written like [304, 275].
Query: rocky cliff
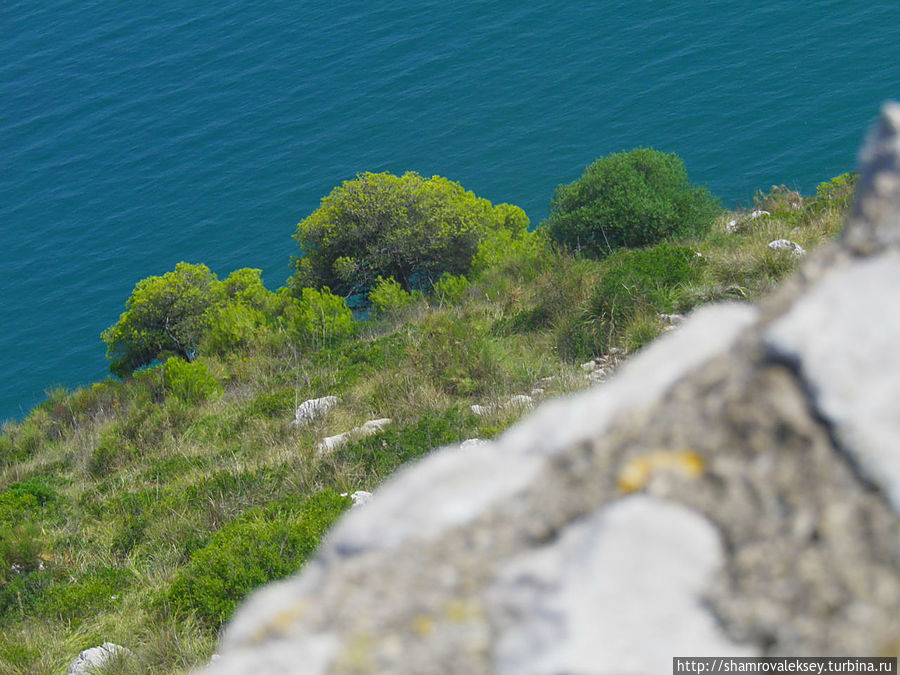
[733, 490]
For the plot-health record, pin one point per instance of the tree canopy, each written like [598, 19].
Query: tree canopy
[630, 199]
[407, 227]
[165, 315]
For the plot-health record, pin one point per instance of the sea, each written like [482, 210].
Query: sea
[139, 134]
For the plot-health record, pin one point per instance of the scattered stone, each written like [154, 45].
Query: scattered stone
[596, 376]
[537, 392]
[671, 319]
[589, 366]
[332, 443]
[473, 443]
[795, 249]
[520, 401]
[759, 213]
[314, 408]
[91, 660]
[360, 497]
[731, 226]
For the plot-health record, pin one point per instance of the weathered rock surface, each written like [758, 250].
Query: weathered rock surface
[734, 489]
[370, 428]
[91, 660]
[314, 408]
[795, 249]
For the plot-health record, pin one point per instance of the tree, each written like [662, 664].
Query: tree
[629, 199]
[165, 315]
[407, 227]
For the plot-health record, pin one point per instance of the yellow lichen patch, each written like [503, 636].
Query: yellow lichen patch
[423, 625]
[279, 623]
[458, 610]
[637, 472]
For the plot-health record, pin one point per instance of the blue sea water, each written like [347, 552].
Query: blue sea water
[137, 135]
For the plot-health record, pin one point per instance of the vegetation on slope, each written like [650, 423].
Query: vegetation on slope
[140, 511]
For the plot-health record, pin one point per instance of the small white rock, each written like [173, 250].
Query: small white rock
[787, 245]
[472, 443]
[481, 410]
[731, 226]
[520, 401]
[360, 497]
[313, 408]
[589, 366]
[90, 660]
[671, 319]
[758, 214]
[370, 428]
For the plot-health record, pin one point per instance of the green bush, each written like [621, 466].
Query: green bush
[233, 328]
[406, 227]
[457, 355]
[73, 600]
[190, 382]
[837, 193]
[21, 592]
[451, 289]
[629, 199]
[262, 545]
[388, 296]
[319, 316]
[634, 283]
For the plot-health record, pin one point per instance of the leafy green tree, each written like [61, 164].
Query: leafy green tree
[630, 199]
[164, 316]
[406, 227]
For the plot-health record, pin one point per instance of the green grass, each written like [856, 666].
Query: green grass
[127, 508]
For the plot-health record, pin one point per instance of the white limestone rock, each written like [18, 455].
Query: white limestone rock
[313, 409]
[620, 593]
[520, 401]
[793, 248]
[91, 660]
[843, 337]
[370, 428]
[360, 497]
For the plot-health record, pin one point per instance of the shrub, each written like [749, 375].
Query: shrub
[94, 591]
[234, 327]
[319, 316]
[643, 282]
[508, 251]
[406, 227]
[388, 296]
[451, 289]
[262, 545]
[457, 355]
[112, 453]
[190, 382]
[629, 199]
[837, 194]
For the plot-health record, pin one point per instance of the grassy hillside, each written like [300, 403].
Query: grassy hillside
[140, 511]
